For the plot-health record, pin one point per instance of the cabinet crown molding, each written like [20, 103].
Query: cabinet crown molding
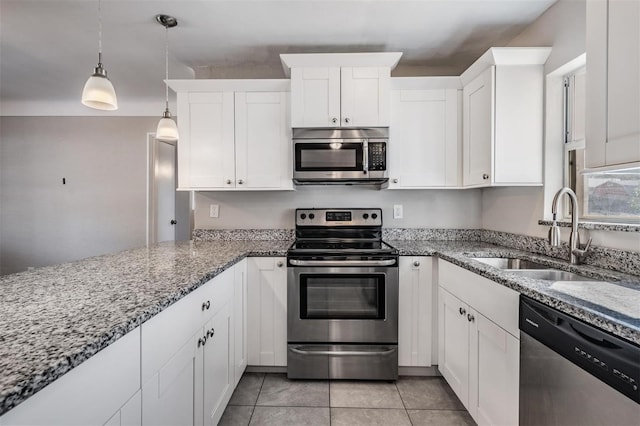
[506, 56]
[230, 85]
[310, 60]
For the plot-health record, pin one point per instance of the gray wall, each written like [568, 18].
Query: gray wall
[422, 208]
[102, 207]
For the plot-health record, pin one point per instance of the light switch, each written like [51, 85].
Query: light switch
[397, 211]
[214, 210]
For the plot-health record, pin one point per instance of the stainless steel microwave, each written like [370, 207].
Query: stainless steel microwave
[340, 156]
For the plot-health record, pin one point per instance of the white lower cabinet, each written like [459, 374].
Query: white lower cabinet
[102, 390]
[479, 353]
[188, 360]
[240, 309]
[267, 311]
[415, 315]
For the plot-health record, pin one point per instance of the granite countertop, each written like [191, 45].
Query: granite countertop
[612, 305]
[54, 318]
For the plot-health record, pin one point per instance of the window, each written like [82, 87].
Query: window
[609, 196]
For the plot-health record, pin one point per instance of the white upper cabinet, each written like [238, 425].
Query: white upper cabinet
[502, 118]
[228, 130]
[340, 90]
[425, 133]
[613, 83]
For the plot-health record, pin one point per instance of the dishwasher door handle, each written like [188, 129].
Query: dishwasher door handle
[387, 262]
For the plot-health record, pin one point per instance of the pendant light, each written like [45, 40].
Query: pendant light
[98, 91]
[167, 129]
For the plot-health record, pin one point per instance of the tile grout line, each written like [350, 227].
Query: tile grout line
[264, 377]
[402, 400]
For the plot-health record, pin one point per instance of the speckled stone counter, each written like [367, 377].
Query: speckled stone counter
[622, 290]
[54, 318]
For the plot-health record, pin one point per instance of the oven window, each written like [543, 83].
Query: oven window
[342, 296]
[322, 157]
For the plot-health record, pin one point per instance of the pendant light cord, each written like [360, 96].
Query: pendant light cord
[166, 66]
[99, 34]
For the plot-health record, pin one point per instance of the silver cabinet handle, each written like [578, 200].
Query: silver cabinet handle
[470, 318]
[202, 341]
[395, 180]
[206, 305]
[343, 353]
[485, 176]
[228, 181]
[342, 262]
[416, 263]
[280, 264]
[347, 120]
[462, 311]
[211, 333]
[334, 120]
[240, 181]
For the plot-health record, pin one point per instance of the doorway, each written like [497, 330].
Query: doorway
[169, 211]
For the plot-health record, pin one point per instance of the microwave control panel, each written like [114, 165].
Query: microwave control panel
[377, 156]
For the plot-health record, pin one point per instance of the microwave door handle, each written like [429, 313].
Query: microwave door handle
[365, 155]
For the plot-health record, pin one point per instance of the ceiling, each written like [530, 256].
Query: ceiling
[48, 48]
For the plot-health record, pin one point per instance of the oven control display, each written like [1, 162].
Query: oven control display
[338, 217]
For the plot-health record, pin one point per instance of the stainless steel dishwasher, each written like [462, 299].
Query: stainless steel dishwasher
[572, 373]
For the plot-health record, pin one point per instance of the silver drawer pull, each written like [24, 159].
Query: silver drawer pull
[344, 353]
[388, 262]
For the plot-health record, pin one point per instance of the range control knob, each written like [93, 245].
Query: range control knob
[312, 216]
[365, 216]
[303, 216]
[374, 216]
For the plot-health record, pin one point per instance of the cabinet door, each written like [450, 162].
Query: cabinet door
[415, 313]
[424, 134]
[365, 96]
[241, 354]
[494, 361]
[478, 129]
[623, 82]
[217, 366]
[453, 343]
[130, 414]
[168, 397]
[267, 303]
[263, 140]
[315, 97]
[206, 148]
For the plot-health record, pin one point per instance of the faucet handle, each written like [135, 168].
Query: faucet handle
[582, 253]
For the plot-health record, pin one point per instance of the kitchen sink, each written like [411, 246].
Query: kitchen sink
[551, 275]
[531, 269]
[510, 263]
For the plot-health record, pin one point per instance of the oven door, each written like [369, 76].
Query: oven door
[336, 304]
[329, 159]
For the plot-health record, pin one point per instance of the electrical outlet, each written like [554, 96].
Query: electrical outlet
[397, 211]
[214, 210]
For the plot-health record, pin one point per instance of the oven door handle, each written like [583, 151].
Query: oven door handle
[388, 262]
[344, 353]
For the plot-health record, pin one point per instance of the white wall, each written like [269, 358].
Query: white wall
[100, 209]
[422, 208]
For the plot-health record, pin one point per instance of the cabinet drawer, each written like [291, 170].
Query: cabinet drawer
[494, 301]
[167, 332]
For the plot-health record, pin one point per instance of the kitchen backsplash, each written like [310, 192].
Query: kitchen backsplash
[604, 257]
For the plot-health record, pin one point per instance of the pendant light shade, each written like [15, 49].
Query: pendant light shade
[98, 91]
[167, 129]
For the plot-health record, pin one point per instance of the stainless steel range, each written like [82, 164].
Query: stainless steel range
[342, 297]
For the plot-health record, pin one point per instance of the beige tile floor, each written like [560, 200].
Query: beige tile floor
[272, 399]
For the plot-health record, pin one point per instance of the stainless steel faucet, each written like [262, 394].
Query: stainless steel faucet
[576, 254]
